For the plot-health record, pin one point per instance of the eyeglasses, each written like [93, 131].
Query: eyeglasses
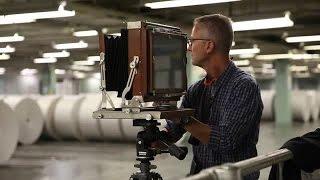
[191, 40]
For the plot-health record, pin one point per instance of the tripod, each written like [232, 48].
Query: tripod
[145, 153]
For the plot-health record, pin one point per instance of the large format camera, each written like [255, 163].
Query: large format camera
[147, 63]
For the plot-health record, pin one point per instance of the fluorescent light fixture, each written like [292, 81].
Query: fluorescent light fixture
[242, 62]
[233, 43]
[45, 60]
[78, 45]
[115, 34]
[28, 72]
[14, 38]
[296, 39]
[59, 71]
[13, 20]
[243, 56]
[4, 56]
[79, 75]
[298, 68]
[254, 50]
[85, 33]
[182, 3]
[93, 58]
[83, 63]
[248, 69]
[61, 12]
[267, 66]
[81, 68]
[2, 70]
[56, 54]
[313, 47]
[7, 49]
[263, 23]
[287, 56]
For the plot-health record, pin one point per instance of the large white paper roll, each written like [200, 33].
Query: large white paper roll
[111, 128]
[301, 106]
[29, 117]
[47, 105]
[89, 127]
[9, 130]
[66, 117]
[267, 97]
[314, 104]
[129, 131]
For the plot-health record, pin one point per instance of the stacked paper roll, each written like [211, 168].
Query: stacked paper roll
[89, 127]
[66, 117]
[9, 129]
[301, 106]
[267, 97]
[111, 128]
[314, 106]
[47, 105]
[29, 117]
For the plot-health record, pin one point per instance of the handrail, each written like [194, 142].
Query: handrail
[235, 171]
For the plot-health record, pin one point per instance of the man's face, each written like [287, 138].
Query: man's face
[197, 47]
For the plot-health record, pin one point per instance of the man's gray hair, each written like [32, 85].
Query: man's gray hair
[219, 27]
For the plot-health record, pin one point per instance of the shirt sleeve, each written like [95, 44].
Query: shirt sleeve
[176, 131]
[241, 114]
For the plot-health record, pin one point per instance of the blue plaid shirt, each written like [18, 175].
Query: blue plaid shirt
[232, 108]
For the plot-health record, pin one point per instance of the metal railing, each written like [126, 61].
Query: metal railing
[235, 171]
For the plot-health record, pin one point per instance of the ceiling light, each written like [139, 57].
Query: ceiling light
[298, 68]
[242, 62]
[267, 66]
[93, 58]
[80, 44]
[243, 56]
[59, 71]
[81, 68]
[2, 70]
[115, 34]
[297, 39]
[85, 33]
[13, 38]
[13, 20]
[61, 12]
[263, 23]
[254, 50]
[181, 3]
[287, 56]
[313, 47]
[56, 54]
[4, 56]
[27, 72]
[45, 60]
[84, 63]
[7, 49]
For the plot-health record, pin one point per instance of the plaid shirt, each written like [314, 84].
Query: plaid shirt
[232, 108]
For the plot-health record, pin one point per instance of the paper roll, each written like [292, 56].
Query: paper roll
[47, 105]
[89, 127]
[9, 128]
[29, 116]
[314, 106]
[66, 117]
[129, 131]
[267, 97]
[301, 106]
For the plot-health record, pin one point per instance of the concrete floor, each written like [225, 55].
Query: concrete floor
[114, 161]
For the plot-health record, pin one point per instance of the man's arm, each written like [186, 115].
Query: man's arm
[240, 114]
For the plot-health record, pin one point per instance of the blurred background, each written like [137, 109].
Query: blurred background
[50, 78]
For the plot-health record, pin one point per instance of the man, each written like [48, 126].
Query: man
[227, 101]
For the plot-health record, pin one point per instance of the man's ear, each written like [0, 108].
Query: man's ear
[210, 46]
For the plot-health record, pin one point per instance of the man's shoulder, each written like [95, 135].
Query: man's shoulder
[242, 78]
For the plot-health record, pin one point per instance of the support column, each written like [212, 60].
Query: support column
[48, 80]
[283, 81]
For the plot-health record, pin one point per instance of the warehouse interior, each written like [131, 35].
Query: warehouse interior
[50, 81]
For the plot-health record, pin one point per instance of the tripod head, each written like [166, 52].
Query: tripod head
[145, 153]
